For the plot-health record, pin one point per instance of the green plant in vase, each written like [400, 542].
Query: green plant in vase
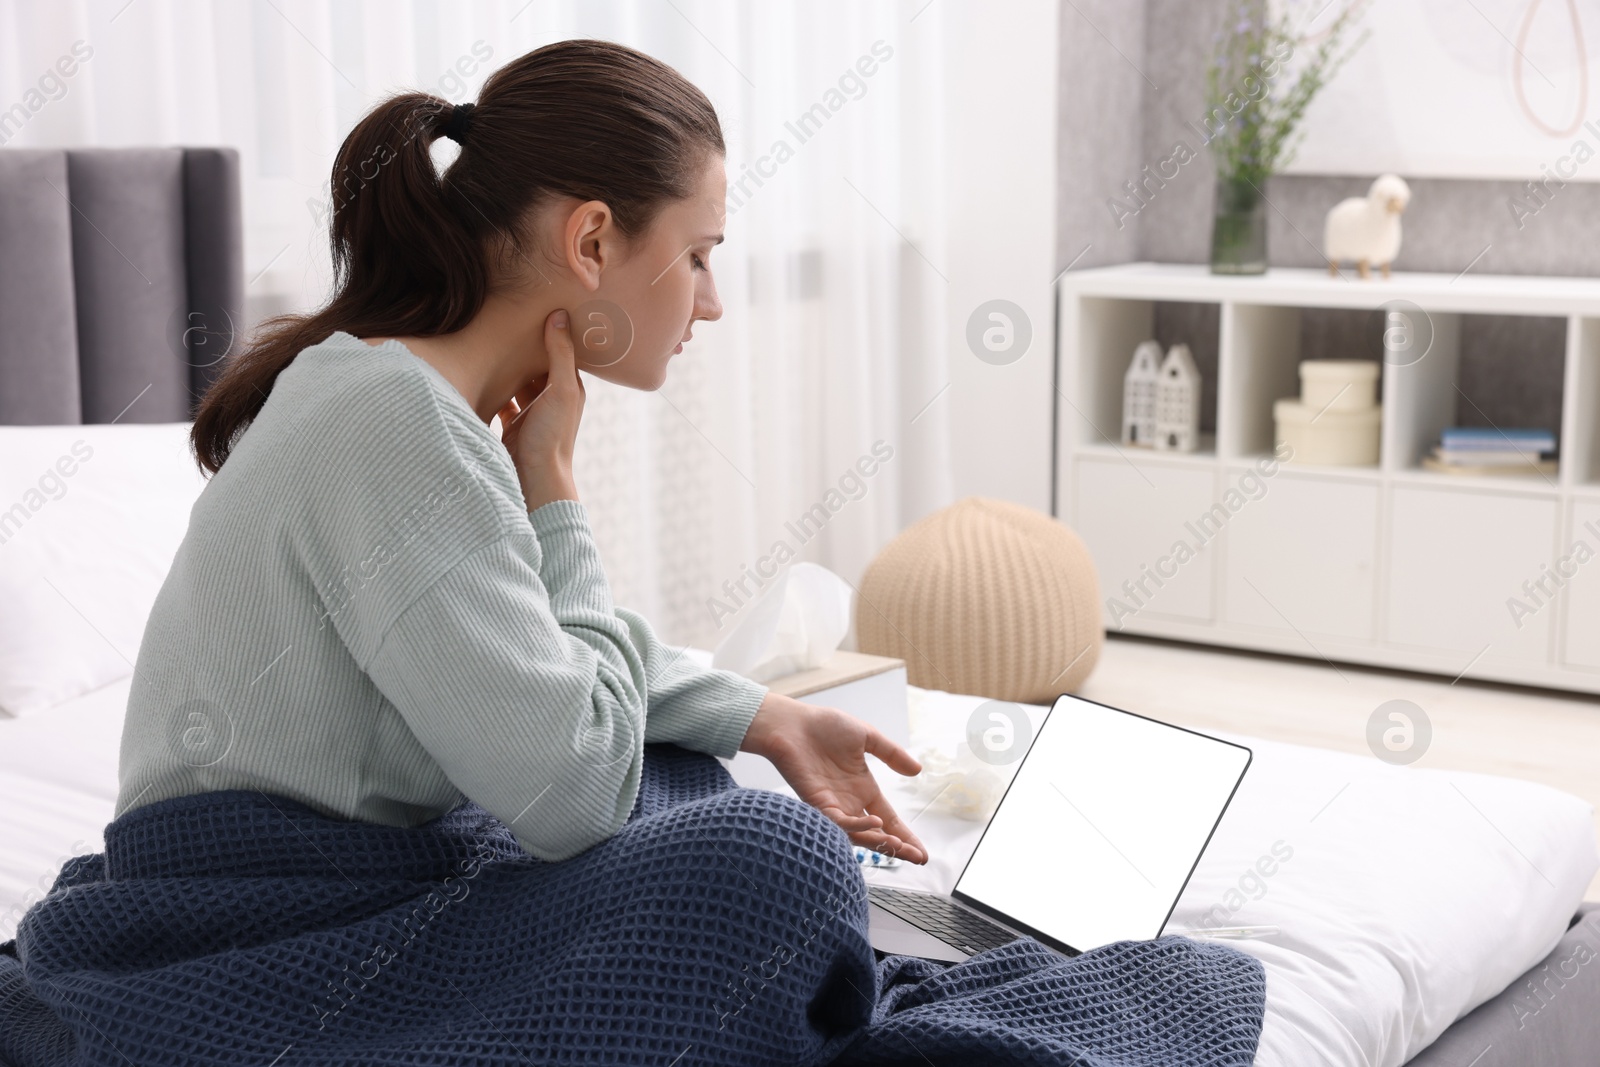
[1253, 121]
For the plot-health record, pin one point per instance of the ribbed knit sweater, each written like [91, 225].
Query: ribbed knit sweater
[365, 617]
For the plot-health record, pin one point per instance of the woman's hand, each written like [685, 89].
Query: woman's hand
[539, 425]
[821, 752]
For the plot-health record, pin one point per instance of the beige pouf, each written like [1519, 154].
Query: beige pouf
[985, 597]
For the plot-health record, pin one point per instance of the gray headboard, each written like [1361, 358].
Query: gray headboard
[121, 276]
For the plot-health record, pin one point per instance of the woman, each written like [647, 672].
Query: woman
[379, 608]
[381, 611]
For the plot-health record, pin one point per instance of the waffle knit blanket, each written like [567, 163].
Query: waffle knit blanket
[720, 925]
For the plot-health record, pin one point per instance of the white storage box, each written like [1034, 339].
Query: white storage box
[1339, 385]
[1332, 438]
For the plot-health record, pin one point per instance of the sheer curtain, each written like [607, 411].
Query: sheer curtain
[804, 425]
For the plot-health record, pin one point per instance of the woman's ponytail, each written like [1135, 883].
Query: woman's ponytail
[402, 246]
[413, 251]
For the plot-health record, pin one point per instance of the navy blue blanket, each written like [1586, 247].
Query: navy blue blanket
[719, 926]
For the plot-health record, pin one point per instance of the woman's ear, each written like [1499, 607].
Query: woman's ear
[588, 242]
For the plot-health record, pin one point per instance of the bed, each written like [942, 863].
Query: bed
[1426, 918]
[1372, 986]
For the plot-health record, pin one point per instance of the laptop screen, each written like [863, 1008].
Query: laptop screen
[1102, 825]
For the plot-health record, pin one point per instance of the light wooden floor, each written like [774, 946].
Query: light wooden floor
[1537, 734]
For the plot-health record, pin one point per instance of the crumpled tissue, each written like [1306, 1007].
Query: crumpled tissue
[796, 624]
[960, 784]
[955, 779]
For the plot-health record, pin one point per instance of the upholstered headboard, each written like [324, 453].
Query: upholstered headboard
[121, 281]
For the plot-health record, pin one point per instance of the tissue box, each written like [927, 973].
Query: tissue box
[872, 688]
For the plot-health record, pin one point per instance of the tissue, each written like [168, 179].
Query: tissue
[955, 780]
[795, 625]
[958, 784]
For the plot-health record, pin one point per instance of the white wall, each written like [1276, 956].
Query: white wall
[1001, 148]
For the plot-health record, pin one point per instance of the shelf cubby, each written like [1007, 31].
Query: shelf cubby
[1468, 379]
[1108, 331]
[1265, 345]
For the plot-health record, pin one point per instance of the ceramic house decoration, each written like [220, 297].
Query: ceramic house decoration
[1178, 402]
[1139, 395]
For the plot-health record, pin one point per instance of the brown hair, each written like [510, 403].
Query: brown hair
[413, 250]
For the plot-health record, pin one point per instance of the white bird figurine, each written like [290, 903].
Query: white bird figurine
[1366, 229]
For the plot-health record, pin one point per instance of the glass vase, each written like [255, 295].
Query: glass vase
[1239, 228]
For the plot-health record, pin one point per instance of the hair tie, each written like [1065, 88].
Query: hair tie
[456, 127]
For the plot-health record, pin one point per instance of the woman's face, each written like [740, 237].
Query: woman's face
[647, 302]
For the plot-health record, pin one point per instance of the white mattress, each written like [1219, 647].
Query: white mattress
[1408, 897]
[58, 787]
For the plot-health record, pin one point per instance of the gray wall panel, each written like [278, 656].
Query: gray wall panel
[38, 325]
[214, 240]
[1101, 116]
[128, 259]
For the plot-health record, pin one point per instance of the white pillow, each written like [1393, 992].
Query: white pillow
[90, 519]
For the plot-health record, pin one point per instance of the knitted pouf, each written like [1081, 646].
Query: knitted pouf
[985, 597]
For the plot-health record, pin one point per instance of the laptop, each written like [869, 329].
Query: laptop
[1095, 838]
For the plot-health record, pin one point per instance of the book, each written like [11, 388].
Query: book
[1498, 433]
[1487, 458]
[1528, 468]
[1489, 439]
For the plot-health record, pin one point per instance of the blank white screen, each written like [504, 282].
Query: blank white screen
[1102, 825]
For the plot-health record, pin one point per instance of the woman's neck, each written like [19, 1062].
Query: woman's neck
[493, 356]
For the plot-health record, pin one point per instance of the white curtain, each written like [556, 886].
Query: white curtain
[830, 356]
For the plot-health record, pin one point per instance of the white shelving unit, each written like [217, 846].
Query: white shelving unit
[1390, 565]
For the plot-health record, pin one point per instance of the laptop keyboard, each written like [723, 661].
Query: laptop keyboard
[941, 917]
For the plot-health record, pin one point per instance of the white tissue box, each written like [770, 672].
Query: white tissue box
[872, 688]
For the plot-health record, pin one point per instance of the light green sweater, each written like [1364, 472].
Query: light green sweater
[365, 618]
